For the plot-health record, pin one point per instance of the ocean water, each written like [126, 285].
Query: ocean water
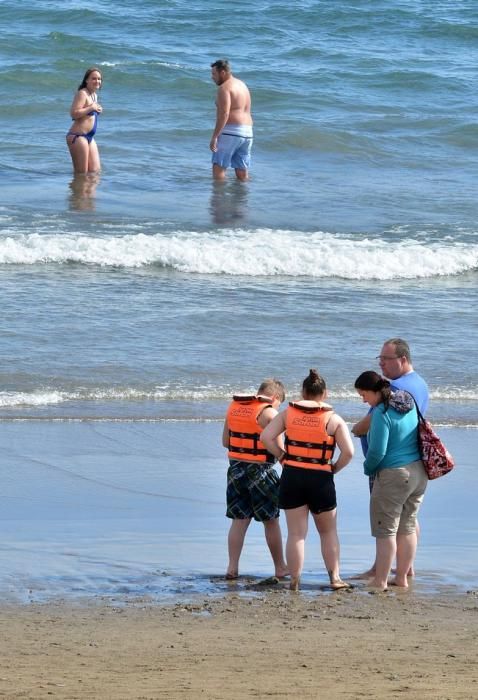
[149, 293]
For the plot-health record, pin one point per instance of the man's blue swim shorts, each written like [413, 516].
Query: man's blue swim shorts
[234, 147]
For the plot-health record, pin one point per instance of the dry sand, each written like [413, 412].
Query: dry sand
[261, 644]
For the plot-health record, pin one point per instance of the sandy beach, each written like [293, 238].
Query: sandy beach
[113, 596]
[270, 643]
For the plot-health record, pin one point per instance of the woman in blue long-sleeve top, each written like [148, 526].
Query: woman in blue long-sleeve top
[393, 457]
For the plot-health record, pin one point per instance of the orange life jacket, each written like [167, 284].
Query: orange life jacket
[244, 430]
[307, 443]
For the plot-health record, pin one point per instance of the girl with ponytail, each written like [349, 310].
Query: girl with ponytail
[312, 431]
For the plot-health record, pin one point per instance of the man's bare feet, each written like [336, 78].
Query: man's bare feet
[231, 575]
[294, 584]
[366, 574]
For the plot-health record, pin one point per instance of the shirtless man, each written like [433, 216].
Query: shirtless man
[231, 141]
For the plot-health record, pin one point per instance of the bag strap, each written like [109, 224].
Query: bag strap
[419, 413]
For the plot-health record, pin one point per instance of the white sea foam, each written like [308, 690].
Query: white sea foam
[261, 252]
[454, 394]
[165, 64]
[444, 393]
[12, 399]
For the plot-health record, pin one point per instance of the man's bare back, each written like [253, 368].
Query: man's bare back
[235, 94]
[233, 108]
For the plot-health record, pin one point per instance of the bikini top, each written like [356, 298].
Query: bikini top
[93, 112]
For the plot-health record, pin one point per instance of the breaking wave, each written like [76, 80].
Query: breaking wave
[13, 399]
[256, 253]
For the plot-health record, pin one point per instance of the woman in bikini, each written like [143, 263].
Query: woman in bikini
[84, 112]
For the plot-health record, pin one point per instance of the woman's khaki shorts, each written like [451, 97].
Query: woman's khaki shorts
[396, 497]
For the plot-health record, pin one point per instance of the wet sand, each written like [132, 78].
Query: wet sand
[94, 509]
[266, 644]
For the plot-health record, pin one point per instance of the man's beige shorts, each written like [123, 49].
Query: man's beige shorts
[396, 497]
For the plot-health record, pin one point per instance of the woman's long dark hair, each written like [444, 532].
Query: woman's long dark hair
[372, 381]
[313, 385]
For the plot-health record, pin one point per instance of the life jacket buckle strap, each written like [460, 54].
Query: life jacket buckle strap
[250, 436]
[324, 446]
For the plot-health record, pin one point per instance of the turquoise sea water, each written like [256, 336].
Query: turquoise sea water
[151, 293]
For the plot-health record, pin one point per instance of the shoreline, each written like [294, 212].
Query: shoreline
[94, 509]
[91, 418]
[163, 588]
[274, 644]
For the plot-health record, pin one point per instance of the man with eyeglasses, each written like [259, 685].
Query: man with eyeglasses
[396, 366]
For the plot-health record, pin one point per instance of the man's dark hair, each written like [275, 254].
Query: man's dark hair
[221, 64]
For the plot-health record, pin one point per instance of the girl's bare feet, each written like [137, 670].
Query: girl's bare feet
[374, 586]
[373, 590]
[400, 582]
[338, 584]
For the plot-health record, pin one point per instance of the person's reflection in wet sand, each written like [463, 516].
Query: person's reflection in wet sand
[83, 191]
[228, 201]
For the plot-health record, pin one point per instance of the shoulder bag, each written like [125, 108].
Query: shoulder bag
[435, 457]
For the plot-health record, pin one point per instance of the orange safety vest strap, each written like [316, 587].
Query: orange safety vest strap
[324, 446]
[249, 450]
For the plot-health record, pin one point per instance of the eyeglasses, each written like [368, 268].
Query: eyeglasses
[387, 358]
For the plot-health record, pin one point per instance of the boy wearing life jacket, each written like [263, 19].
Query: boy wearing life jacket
[252, 481]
